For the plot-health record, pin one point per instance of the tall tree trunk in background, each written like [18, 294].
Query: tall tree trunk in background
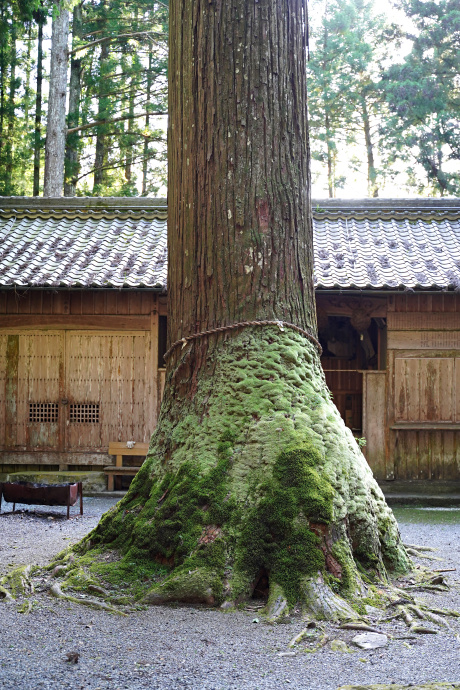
[23, 182]
[145, 156]
[327, 117]
[11, 113]
[129, 154]
[55, 123]
[71, 149]
[28, 70]
[3, 75]
[38, 103]
[373, 189]
[330, 156]
[251, 474]
[101, 139]
[132, 94]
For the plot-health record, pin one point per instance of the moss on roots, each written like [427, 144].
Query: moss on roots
[256, 471]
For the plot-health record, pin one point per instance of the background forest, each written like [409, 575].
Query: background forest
[384, 97]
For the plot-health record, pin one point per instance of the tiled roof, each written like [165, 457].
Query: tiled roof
[120, 242]
[387, 244]
[82, 245]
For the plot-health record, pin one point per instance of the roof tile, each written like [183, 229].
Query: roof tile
[367, 244]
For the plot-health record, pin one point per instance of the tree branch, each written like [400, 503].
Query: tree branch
[109, 121]
[137, 159]
[113, 38]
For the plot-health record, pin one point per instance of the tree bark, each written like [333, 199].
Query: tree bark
[38, 104]
[3, 70]
[101, 145]
[72, 167]
[56, 125]
[11, 113]
[373, 189]
[252, 476]
[147, 124]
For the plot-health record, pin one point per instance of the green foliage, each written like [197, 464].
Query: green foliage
[118, 65]
[349, 44]
[423, 95]
[363, 97]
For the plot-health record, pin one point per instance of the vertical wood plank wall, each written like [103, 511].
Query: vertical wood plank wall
[374, 422]
[423, 403]
[92, 345]
[92, 353]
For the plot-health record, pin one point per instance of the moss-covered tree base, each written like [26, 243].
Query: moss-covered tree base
[253, 486]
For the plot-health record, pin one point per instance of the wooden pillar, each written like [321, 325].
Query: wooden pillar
[374, 423]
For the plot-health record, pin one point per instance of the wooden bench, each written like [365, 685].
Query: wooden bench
[118, 470]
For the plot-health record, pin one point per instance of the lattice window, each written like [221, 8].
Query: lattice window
[43, 412]
[84, 413]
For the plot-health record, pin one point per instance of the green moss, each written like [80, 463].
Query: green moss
[193, 586]
[342, 553]
[18, 580]
[238, 474]
[275, 534]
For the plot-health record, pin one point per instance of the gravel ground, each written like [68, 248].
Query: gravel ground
[184, 647]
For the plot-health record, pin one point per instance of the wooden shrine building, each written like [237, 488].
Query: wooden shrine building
[83, 328]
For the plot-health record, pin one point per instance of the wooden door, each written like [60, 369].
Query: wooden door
[424, 389]
[109, 389]
[36, 369]
[425, 429]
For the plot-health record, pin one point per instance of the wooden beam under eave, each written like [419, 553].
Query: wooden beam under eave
[76, 322]
[346, 305]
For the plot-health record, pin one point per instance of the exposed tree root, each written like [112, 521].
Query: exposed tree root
[301, 636]
[419, 554]
[16, 583]
[5, 594]
[57, 592]
[412, 609]
[443, 612]
[419, 548]
[363, 627]
[411, 624]
[423, 612]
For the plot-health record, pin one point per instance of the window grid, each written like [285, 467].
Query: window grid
[40, 413]
[84, 413]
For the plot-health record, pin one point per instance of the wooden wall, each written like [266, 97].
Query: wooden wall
[99, 348]
[423, 392]
[78, 369]
[359, 394]
[411, 401]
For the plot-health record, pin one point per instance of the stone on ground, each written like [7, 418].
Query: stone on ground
[370, 640]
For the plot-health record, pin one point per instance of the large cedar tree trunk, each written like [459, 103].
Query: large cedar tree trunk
[252, 480]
